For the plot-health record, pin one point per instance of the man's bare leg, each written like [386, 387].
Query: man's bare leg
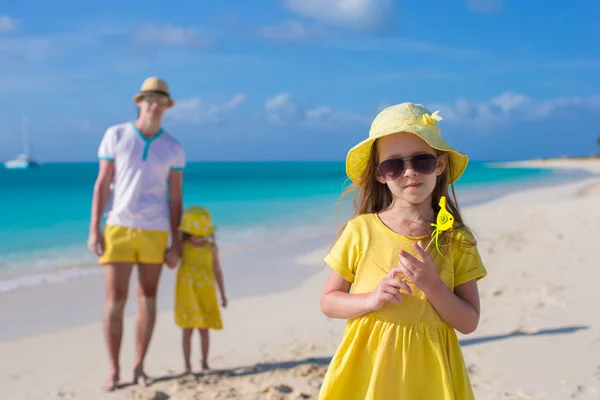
[148, 278]
[116, 277]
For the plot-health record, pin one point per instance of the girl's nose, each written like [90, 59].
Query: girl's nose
[409, 170]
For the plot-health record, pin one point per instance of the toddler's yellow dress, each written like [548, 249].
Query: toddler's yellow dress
[406, 350]
[196, 303]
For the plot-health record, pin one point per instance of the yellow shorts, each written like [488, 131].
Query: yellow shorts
[124, 244]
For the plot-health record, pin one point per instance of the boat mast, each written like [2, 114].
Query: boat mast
[25, 136]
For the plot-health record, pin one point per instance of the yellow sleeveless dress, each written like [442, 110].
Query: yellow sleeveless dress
[406, 350]
[196, 302]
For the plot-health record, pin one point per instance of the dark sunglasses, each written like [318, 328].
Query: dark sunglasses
[156, 98]
[394, 167]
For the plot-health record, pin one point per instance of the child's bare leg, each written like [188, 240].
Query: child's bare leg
[186, 341]
[205, 343]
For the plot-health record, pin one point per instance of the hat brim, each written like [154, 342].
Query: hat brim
[358, 157]
[138, 96]
[209, 231]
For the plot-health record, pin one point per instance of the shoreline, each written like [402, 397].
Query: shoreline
[246, 237]
[90, 281]
[529, 306]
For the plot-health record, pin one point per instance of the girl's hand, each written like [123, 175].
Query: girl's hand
[422, 271]
[388, 290]
[224, 302]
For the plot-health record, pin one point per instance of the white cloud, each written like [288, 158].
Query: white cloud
[355, 14]
[169, 35]
[9, 24]
[27, 48]
[290, 31]
[196, 111]
[484, 6]
[282, 109]
[510, 106]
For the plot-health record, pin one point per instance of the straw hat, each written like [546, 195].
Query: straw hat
[404, 117]
[154, 85]
[196, 221]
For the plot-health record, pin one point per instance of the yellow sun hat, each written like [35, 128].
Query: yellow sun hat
[404, 117]
[196, 221]
[155, 85]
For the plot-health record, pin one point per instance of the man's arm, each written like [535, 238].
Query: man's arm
[101, 192]
[175, 202]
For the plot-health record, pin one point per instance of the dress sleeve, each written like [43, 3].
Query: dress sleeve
[343, 256]
[467, 260]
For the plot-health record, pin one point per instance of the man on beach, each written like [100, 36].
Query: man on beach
[141, 170]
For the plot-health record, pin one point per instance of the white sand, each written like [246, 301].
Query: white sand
[539, 336]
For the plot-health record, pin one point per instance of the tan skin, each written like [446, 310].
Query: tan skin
[204, 333]
[409, 214]
[117, 275]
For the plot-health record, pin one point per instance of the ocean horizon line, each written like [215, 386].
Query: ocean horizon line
[277, 161]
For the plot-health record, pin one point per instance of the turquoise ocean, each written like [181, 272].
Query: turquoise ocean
[45, 211]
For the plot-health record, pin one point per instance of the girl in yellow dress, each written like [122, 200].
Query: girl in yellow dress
[402, 295]
[196, 304]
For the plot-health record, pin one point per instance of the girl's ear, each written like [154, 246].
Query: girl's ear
[442, 162]
[379, 177]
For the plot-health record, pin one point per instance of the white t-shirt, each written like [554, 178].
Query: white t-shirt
[142, 167]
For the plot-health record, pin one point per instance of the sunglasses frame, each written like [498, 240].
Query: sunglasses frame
[410, 160]
[154, 98]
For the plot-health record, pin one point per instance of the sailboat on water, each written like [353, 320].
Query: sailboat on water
[22, 161]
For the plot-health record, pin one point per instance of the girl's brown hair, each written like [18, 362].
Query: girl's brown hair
[374, 197]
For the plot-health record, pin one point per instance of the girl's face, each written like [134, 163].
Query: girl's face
[408, 166]
[198, 240]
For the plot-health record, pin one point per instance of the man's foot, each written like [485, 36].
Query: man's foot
[141, 379]
[188, 370]
[111, 383]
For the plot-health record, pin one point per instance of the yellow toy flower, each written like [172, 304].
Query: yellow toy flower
[444, 221]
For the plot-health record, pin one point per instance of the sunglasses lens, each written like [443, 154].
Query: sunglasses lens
[162, 100]
[424, 163]
[391, 169]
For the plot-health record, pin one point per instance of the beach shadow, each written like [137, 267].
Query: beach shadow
[237, 372]
[165, 378]
[260, 368]
[519, 333]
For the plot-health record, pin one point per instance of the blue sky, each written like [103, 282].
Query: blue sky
[302, 79]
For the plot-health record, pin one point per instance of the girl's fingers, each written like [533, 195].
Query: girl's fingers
[405, 286]
[397, 284]
[391, 294]
[421, 250]
[393, 272]
[406, 271]
[409, 258]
